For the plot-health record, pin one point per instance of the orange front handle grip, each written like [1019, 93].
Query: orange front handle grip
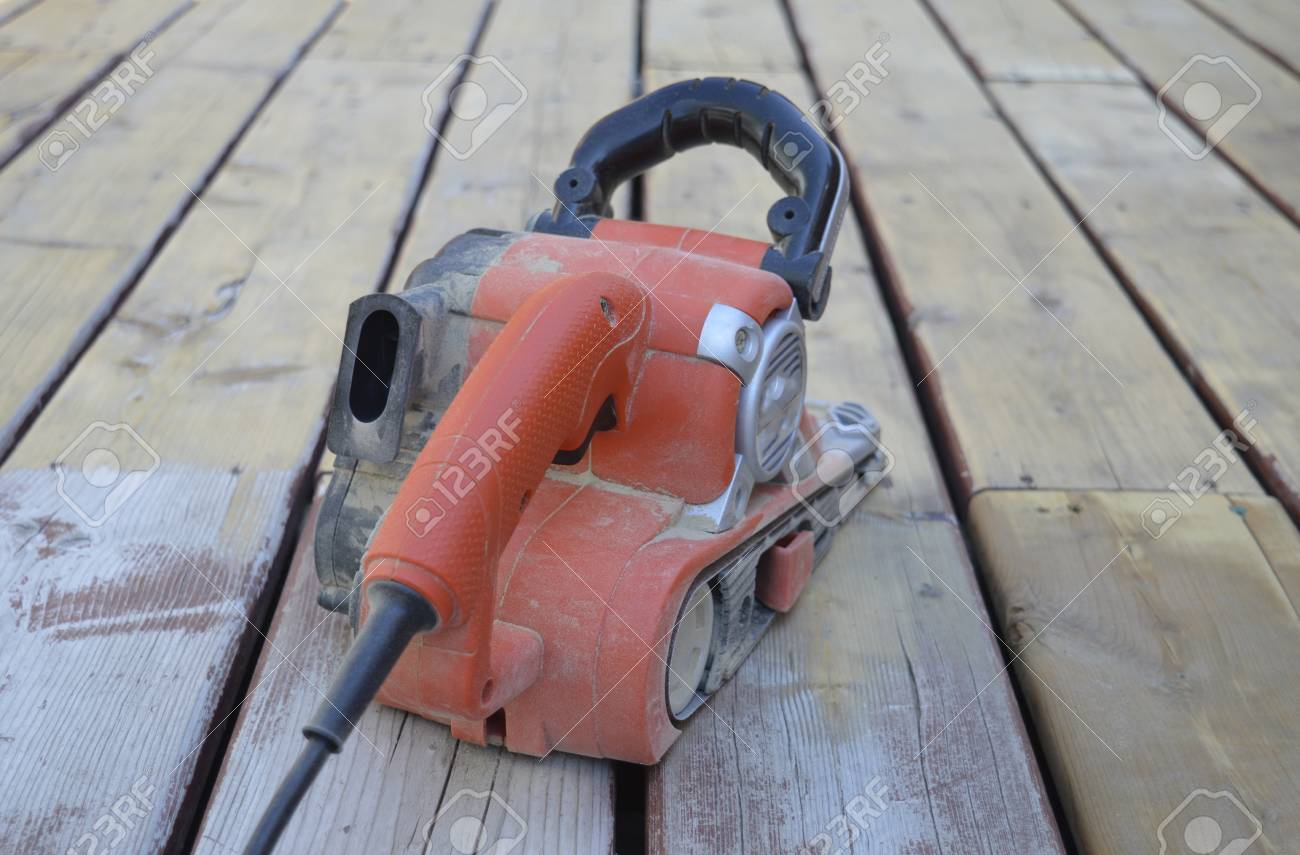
[567, 349]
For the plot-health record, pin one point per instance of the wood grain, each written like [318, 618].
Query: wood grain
[10, 9]
[881, 679]
[1160, 38]
[742, 40]
[1270, 24]
[57, 52]
[85, 232]
[1168, 648]
[571, 80]
[1015, 41]
[1054, 383]
[1219, 278]
[872, 684]
[133, 634]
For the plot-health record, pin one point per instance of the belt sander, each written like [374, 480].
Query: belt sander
[577, 476]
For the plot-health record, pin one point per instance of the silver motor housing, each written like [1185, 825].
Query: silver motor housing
[771, 362]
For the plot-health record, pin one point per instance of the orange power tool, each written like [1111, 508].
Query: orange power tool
[577, 477]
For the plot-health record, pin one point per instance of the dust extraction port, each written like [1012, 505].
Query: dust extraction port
[373, 364]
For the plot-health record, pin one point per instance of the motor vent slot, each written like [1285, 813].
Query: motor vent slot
[771, 403]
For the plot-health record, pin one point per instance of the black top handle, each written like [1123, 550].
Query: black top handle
[653, 128]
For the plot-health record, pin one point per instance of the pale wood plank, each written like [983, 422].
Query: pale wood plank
[58, 50]
[397, 774]
[114, 635]
[119, 193]
[1271, 24]
[572, 79]
[1213, 262]
[741, 40]
[1026, 391]
[1159, 38]
[1029, 41]
[872, 682]
[1168, 648]
[10, 9]
[874, 676]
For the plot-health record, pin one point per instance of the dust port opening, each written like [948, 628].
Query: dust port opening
[375, 357]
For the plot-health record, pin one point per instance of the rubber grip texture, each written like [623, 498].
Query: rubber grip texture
[564, 352]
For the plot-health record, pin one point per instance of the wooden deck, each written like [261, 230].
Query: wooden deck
[1066, 622]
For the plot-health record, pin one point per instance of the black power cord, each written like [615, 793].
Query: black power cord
[396, 615]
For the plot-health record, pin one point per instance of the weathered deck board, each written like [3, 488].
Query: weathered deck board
[1055, 382]
[1160, 38]
[1213, 263]
[121, 654]
[10, 9]
[870, 685]
[1207, 258]
[77, 238]
[566, 802]
[114, 635]
[1023, 41]
[1173, 653]
[57, 51]
[571, 81]
[1270, 24]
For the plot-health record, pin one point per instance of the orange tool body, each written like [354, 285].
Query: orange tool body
[593, 563]
[576, 478]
